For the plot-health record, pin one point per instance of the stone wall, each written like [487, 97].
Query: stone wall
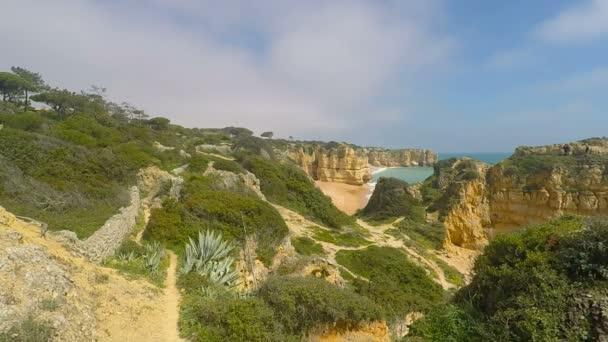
[107, 239]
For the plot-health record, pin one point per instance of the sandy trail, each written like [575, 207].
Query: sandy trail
[300, 226]
[172, 301]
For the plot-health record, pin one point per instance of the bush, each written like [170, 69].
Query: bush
[428, 235]
[529, 286]
[349, 239]
[198, 163]
[303, 303]
[391, 199]
[232, 211]
[227, 165]
[307, 246]
[28, 121]
[289, 186]
[391, 280]
[28, 330]
[225, 211]
[449, 323]
[228, 319]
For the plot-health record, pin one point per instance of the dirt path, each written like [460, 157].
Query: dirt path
[171, 301]
[300, 226]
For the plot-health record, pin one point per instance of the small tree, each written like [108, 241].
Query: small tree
[267, 135]
[32, 82]
[11, 86]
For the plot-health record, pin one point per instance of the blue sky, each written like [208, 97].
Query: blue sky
[459, 75]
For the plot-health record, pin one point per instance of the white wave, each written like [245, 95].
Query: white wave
[378, 170]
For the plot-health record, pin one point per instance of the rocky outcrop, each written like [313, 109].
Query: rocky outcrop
[221, 149]
[371, 332]
[534, 185]
[343, 163]
[403, 158]
[32, 283]
[245, 182]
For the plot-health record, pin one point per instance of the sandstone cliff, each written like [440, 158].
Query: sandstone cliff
[407, 157]
[533, 186]
[344, 163]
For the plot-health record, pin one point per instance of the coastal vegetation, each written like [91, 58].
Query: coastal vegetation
[388, 278]
[289, 186]
[392, 198]
[535, 285]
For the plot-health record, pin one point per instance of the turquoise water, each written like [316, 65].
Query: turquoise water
[411, 175]
[417, 174]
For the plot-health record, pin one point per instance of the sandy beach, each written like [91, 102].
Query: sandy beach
[346, 197]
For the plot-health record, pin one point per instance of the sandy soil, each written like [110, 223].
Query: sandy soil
[346, 197]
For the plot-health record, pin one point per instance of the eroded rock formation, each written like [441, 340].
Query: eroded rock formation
[343, 164]
[351, 165]
[534, 185]
[407, 157]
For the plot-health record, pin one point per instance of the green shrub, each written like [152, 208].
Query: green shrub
[225, 211]
[303, 303]
[228, 319]
[390, 200]
[198, 163]
[428, 235]
[289, 186]
[528, 286]
[448, 323]
[232, 210]
[307, 246]
[349, 239]
[28, 121]
[391, 280]
[227, 165]
[29, 330]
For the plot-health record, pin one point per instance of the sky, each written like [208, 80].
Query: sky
[449, 75]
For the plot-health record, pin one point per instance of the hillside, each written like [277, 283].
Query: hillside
[116, 226]
[206, 234]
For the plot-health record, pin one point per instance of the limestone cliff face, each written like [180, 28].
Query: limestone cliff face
[342, 165]
[351, 165]
[534, 185]
[582, 190]
[407, 157]
[466, 221]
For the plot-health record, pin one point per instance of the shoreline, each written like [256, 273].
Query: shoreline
[350, 198]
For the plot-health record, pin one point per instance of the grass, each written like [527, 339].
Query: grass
[451, 273]
[393, 281]
[348, 239]
[428, 235]
[135, 269]
[49, 304]
[28, 330]
[307, 246]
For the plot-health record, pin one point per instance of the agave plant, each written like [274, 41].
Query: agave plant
[154, 253]
[209, 256]
[127, 256]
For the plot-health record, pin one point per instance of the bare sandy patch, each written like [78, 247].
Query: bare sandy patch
[346, 197]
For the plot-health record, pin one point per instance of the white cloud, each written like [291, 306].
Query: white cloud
[575, 24]
[317, 66]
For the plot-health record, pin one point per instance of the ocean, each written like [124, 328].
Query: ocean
[416, 174]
